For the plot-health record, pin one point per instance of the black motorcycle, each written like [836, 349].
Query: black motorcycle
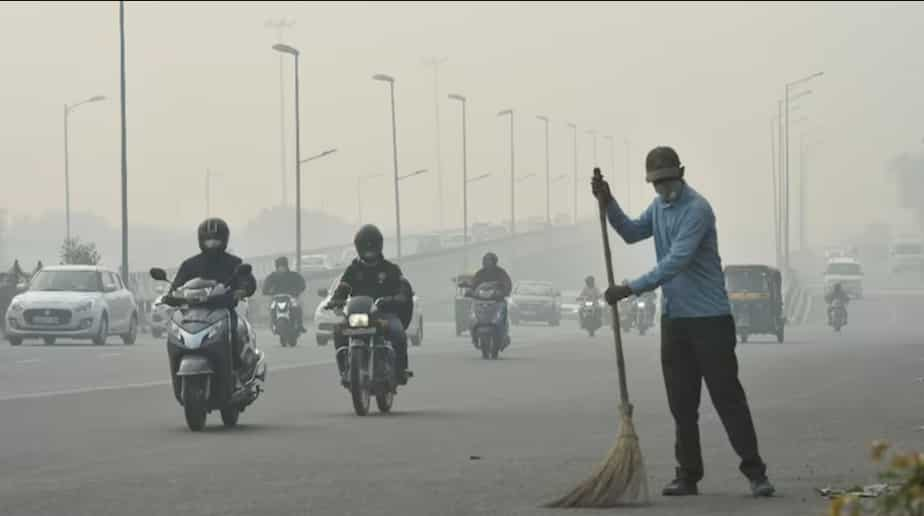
[204, 373]
[371, 363]
[488, 324]
[590, 315]
[837, 317]
[282, 308]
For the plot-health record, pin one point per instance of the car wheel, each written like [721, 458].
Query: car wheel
[100, 339]
[49, 341]
[129, 338]
[14, 341]
[321, 340]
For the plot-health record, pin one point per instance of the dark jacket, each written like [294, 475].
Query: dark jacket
[384, 280]
[287, 282]
[220, 268]
[496, 274]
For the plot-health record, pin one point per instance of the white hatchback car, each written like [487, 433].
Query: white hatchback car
[848, 273]
[73, 302]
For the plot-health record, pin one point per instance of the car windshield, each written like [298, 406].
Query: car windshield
[908, 249]
[72, 281]
[532, 289]
[746, 281]
[848, 269]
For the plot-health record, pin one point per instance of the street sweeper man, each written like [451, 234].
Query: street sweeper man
[697, 330]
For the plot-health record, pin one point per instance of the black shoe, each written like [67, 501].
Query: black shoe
[762, 487]
[344, 379]
[403, 376]
[680, 487]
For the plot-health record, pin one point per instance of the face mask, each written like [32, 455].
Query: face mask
[212, 243]
[369, 257]
[669, 190]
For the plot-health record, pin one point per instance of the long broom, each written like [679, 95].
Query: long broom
[620, 479]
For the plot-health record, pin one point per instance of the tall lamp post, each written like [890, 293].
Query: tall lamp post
[394, 147]
[548, 174]
[280, 26]
[461, 99]
[575, 187]
[786, 100]
[286, 49]
[67, 177]
[513, 175]
[124, 141]
[435, 62]
[612, 141]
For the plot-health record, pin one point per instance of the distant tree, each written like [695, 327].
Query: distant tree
[75, 252]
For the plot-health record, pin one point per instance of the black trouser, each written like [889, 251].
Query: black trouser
[697, 349]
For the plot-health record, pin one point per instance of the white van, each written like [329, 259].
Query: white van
[848, 273]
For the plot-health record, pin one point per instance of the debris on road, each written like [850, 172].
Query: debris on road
[868, 491]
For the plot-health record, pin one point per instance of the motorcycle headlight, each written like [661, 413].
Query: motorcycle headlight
[86, 306]
[640, 304]
[358, 320]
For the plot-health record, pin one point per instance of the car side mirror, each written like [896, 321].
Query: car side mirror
[159, 274]
[323, 292]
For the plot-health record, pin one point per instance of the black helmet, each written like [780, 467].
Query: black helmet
[489, 259]
[369, 242]
[282, 261]
[589, 280]
[662, 163]
[216, 232]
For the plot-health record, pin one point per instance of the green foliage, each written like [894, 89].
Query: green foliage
[75, 252]
[903, 472]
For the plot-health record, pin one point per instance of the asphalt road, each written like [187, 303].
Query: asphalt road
[96, 431]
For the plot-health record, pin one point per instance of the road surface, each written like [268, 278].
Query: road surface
[95, 430]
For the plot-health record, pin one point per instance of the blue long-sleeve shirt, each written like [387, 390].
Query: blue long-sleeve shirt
[689, 269]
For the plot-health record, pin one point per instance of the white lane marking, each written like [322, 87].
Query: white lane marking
[28, 361]
[109, 355]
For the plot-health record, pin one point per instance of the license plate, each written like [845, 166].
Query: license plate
[349, 332]
[528, 312]
[44, 319]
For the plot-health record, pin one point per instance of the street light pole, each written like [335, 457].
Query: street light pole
[513, 211]
[548, 174]
[124, 142]
[67, 176]
[575, 187]
[462, 99]
[286, 49]
[786, 99]
[394, 144]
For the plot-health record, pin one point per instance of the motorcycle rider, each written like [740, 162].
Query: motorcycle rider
[837, 294]
[590, 291]
[370, 274]
[491, 272]
[215, 263]
[286, 281]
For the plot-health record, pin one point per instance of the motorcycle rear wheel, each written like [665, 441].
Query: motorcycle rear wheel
[230, 415]
[484, 344]
[358, 391]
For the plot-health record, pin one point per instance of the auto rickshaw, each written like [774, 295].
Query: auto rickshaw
[755, 293]
[463, 303]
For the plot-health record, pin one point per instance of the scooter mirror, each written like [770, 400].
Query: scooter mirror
[323, 292]
[159, 274]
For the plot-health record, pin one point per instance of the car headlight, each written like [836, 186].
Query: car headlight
[16, 306]
[86, 306]
[358, 320]
[640, 304]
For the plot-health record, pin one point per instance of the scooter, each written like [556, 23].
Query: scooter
[203, 370]
[281, 310]
[488, 321]
[590, 315]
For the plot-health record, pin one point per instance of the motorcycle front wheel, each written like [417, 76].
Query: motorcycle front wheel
[358, 391]
[194, 402]
[230, 415]
[484, 343]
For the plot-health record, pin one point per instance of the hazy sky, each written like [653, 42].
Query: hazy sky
[203, 92]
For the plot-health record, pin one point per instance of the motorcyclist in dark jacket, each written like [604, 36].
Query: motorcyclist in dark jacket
[837, 294]
[491, 272]
[286, 281]
[215, 263]
[371, 275]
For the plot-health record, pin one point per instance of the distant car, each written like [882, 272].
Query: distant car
[906, 255]
[73, 302]
[315, 263]
[429, 244]
[535, 301]
[848, 273]
[325, 321]
[456, 240]
[347, 256]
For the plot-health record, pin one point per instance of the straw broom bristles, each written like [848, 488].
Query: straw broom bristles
[619, 480]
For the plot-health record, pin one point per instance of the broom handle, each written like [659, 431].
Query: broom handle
[617, 332]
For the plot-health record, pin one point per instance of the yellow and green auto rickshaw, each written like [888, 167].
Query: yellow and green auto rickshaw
[755, 293]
